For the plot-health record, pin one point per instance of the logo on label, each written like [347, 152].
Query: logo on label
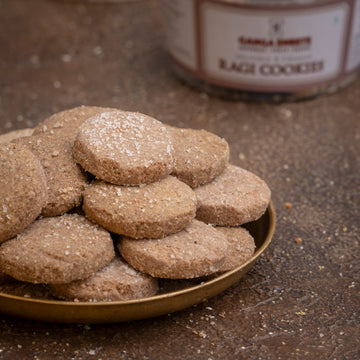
[276, 27]
[276, 41]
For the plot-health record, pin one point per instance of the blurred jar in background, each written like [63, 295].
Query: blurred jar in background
[264, 50]
[101, 1]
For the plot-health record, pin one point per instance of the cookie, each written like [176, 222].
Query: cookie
[117, 281]
[199, 155]
[23, 189]
[241, 246]
[66, 181]
[57, 250]
[235, 197]
[15, 134]
[149, 211]
[65, 124]
[196, 251]
[124, 148]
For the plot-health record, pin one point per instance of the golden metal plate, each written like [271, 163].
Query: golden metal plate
[109, 312]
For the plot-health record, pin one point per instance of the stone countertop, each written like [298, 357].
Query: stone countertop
[301, 299]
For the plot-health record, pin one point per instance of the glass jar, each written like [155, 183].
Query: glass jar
[264, 50]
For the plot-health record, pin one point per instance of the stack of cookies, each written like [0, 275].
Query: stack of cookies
[99, 204]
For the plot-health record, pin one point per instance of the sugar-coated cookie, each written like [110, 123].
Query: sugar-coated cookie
[65, 124]
[23, 189]
[57, 250]
[117, 281]
[148, 211]
[241, 246]
[199, 155]
[66, 181]
[235, 197]
[124, 148]
[196, 251]
[15, 134]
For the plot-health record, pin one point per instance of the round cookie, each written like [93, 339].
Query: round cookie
[117, 281]
[15, 134]
[22, 189]
[148, 211]
[65, 124]
[66, 181]
[235, 197]
[199, 155]
[124, 148]
[196, 251]
[241, 246]
[57, 250]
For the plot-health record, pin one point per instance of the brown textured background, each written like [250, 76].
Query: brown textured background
[301, 300]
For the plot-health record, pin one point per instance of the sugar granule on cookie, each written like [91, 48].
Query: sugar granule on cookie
[23, 189]
[235, 197]
[199, 155]
[57, 250]
[198, 250]
[124, 148]
[154, 210]
[117, 281]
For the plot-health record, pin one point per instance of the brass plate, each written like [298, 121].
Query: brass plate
[117, 311]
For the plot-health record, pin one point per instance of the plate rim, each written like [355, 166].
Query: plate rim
[230, 276]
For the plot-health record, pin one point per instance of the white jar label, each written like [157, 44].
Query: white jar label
[273, 48]
[180, 31]
[354, 46]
